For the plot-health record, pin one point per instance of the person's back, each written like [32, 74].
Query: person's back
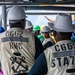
[17, 46]
[62, 58]
[62, 53]
[58, 59]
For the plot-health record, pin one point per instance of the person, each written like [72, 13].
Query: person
[48, 41]
[52, 22]
[18, 48]
[60, 58]
[41, 27]
[36, 30]
[29, 26]
[41, 38]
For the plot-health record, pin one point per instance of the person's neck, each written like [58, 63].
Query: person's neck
[62, 38]
[15, 27]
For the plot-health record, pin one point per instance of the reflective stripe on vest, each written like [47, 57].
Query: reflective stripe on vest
[22, 39]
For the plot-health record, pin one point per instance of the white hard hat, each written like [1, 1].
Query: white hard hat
[63, 23]
[28, 24]
[45, 29]
[15, 13]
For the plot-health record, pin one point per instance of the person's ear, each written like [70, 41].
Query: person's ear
[23, 24]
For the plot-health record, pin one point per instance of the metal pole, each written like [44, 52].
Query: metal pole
[4, 23]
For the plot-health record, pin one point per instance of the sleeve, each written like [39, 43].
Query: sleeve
[38, 46]
[40, 66]
[48, 44]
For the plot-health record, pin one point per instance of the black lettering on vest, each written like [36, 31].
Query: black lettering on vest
[74, 45]
[7, 33]
[66, 62]
[72, 57]
[57, 48]
[59, 61]
[14, 33]
[53, 63]
[21, 33]
[11, 33]
[63, 47]
[69, 45]
[15, 45]
[63, 61]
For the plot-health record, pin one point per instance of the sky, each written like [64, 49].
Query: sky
[40, 19]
